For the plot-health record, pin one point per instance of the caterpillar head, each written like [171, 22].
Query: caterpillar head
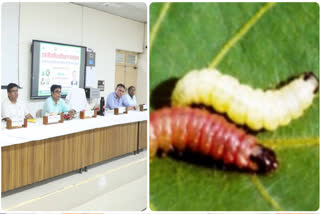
[311, 77]
[264, 158]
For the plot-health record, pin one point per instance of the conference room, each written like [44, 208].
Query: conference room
[74, 106]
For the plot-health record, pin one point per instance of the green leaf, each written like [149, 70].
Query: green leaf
[283, 42]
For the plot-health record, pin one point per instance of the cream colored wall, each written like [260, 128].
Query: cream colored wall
[73, 24]
[117, 33]
[57, 22]
[142, 81]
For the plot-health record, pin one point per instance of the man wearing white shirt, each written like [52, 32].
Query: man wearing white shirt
[130, 96]
[12, 108]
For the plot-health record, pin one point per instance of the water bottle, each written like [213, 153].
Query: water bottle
[101, 106]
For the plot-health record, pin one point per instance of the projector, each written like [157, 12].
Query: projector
[92, 92]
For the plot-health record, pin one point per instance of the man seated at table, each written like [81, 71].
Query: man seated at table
[116, 99]
[12, 107]
[54, 103]
[130, 96]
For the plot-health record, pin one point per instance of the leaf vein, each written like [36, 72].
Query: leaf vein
[156, 26]
[243, 30]
[290, 143]
[264, 193]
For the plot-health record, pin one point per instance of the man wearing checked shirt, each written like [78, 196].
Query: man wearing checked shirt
[54, 103]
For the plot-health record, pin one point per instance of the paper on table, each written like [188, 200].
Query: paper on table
[17, 123]
[54, 119]
[32, 120]
[89, 113]
[121, 110]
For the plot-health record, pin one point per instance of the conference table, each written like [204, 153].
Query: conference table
[39, 151]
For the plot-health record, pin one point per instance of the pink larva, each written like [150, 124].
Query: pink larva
[181, 128]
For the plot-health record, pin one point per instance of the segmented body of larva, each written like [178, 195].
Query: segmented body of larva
[244, 105]
[181, 128]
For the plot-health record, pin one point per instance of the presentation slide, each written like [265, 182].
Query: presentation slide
[59, 64]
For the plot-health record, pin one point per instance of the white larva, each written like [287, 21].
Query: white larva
[244, 105]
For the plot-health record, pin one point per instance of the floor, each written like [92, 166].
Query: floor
[116, 185]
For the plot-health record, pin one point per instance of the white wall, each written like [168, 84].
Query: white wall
[142, 81]
[78, 25]
[116, 33]
[9, 42]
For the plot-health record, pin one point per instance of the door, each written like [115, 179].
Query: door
[126, 68]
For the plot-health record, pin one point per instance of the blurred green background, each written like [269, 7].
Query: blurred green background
[284, 42]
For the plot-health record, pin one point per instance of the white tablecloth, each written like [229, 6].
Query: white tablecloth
[38, 131]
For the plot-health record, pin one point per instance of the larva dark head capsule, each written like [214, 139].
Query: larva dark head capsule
[264, 158]
[310, 76]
